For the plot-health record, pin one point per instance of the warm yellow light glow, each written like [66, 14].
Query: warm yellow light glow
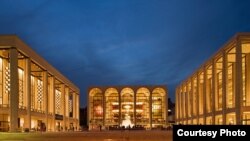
[127, 106]
[156, 107]
[115, 103]
[20, 71]
[127, 103]
[115, 110]
[139, 110]
[33, 123]
[1, 64]
[21, 122]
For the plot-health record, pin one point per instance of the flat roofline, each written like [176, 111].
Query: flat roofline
[130, 86]
[235, 37]
[15, 41]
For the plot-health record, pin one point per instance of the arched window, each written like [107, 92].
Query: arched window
[158, 106]
[96, 105]
[127, 107]
[142, 106]
[111, 107]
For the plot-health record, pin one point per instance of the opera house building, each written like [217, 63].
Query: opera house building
[33, 94]
[219, 91]
[117, 107]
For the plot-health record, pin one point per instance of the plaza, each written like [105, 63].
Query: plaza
[157, 135]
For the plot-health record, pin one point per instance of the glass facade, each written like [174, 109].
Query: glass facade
[127, 107]
[223, 87]
[33, 94]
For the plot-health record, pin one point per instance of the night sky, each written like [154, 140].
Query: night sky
[125, 42]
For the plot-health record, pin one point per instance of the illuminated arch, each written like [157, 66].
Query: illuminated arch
[112, 107]
[127, 107]
[95, 91]
[96, 105]
[111, 91]
[144, 91]
[142, 107]
[158, 106]
[159, 91]
[127, 90]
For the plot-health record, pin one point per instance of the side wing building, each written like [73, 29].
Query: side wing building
[33, 94]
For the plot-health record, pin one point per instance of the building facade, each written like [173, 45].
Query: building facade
[33, 94]
[127, 107]
[219, 91]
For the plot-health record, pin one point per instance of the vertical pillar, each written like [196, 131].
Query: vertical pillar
[45, 94]
[224, 86]
[14, 94]
[52, 92]
[178, 102]
[197, 106]
[247, 80]
[181, 102]
[177, 115]
[63, 105]
[75, 109]
[150, 109]
[238, 83]
[78, 108]
[27, 89]
[192, 104]
[66, 115]
[166, 107]
[74, 105]
[120, 109]
[204, 94]
[214, 83]
[186, 103]
[104, 109]
[89, 120]
[135, 108]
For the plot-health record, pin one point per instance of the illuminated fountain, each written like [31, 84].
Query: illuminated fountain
[127, 122]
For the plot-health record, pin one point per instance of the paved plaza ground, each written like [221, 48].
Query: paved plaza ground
[90, 136]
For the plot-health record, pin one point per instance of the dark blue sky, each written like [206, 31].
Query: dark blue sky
[125, 42]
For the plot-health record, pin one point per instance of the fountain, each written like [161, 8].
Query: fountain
[127, 122]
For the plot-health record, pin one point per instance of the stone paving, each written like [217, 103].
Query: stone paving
[90, 136]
